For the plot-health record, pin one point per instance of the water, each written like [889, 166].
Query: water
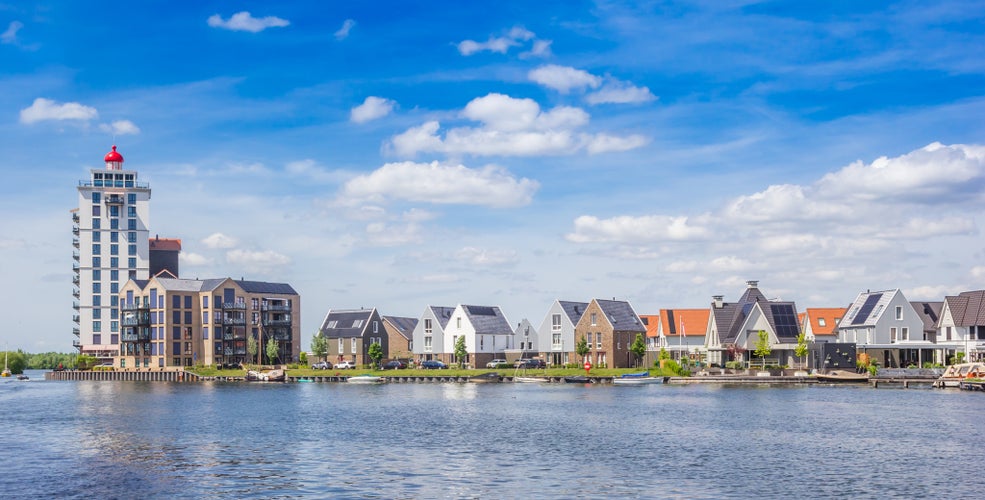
[236, 440]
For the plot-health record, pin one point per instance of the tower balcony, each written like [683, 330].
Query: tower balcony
[75, 331]
[277, 322]
[75, 230]
[142, 336]
[76, 294]
[75, 305]
[75, 242]
[75, 267]
[114, 199]
[75, 255]
[234, 321]
[77, 344]
[75, 218]
[75, 319]
[75, 280]
[276, 308]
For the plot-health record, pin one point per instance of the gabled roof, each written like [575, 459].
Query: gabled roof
[180, 285]
[346, 323]
[652, 324]
[929, 313]
[781, 315]
[686, 322]
[443, 314]
[574, 310]
[403, 326]
[867, 308]
[830, 316]
[967, 308]
[487, 319]
[621, 315]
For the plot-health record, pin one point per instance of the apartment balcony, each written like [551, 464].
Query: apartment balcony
[234, 336]
[75, 331]
[77, 344]
[75, 280]
[236, 306]
[136, 337]
[277, 322]
[75, 230]
[135, 306]
[114, 199]
[75, 218]
[75, 305]
[139, 320]
[276, 308]
[75, 255]
[76, 293]
[282, 335]
[75, 242]
[75, 267]
[75, 319]
[234, 321]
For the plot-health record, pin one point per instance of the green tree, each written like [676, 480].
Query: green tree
[375, 352]
[801, 350]
[638, 348]
[273, 350]
[319, 346]
[581, 348]
[763, 348]
[460, 351]
[16, 361]
[252, 348]
[664, 354]
[303, 358]
[85, 362]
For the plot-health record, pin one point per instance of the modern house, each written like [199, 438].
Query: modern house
[682, 332]
[885, 326]
[180, 322]
[733, 328]
[819, 324]
[557, 331]
[487, 334]
[429, 335]
[961, 327]
[526, 339]
[609, 327]
[400, 336]
[350, 332]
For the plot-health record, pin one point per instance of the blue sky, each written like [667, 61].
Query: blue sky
[401, 154]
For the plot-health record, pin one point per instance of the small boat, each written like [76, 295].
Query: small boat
[23, 377]
[842, 376]
[364, 379]
[531, 380]
[486, 378]
[6, 371]
[269, 376]
[955, 374]
[577, 379]
[640, 378]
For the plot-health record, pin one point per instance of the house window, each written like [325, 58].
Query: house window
[904, 333]
[355, 344]
[427, 344]
[556, 323]
[820, 322]
[95, 197]
[899, 312]
[458, 322]
[341, 346]
[598, 340]
[594, 322]
[892, 334]
[376, 327]
[427, 326]
[556, 341]
[947, 331]
[333, 323]
[357, 324]
[131, 198]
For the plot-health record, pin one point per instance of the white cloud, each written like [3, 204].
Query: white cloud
[383, 234]
[486, 258]
[219, 240]
[371, 109]
[616, 92]
[256, 260]
[45, 109]
[10, 35]
[978, 272]
[343, 32]
[120, 127]
[563, 78]
[442, 184]
[311, 170]
[500, 44]
[511, 127]
[194, 259]
[629, 229]
[541, 49]
[243, 21]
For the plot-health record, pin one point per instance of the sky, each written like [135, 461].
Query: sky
[400, 154]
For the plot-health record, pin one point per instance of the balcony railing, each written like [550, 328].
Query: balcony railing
[75, 218]
[234, 321]
[75, 319]
[138, 321]
[76, 294]
[135, 337]
[75, 255]
[75, 242]
[114, 199]
[75, 305]
[75, 229]
[234, 305]
[277, 308]
[75, 331]
[75, 280]
[282, 335]
[277, 322]
[76, 343]
[75, 267]
[134, 306]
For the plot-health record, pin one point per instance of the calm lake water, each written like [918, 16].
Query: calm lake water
[326, 440]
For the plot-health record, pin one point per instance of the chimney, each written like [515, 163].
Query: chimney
[752, 284]
[717, 300]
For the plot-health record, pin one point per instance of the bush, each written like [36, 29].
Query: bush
[735, 365]
[672, 366]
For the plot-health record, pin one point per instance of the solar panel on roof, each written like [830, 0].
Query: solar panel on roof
[481, 311]
[863, 313]
[785, 320]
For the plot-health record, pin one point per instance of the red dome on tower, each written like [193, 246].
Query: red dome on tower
[113, 156]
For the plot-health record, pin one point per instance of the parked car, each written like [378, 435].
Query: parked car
[495, 363]
[345, 365]
[323, 365]
[530, 363]
[433, 364]
[394, 364]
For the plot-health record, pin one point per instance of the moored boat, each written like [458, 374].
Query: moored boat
[640, 378]
[957, 373]
[841, 376]
[486, 378]
[268, 376]
[531, 380]
[365, 379]
[577, 379]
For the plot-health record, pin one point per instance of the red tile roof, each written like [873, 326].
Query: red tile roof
[693, 322]
[165, 244]
[830, 316]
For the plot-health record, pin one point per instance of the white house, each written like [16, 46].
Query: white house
[556, 335]
[733, 328]
[961, 327]
[885, 326]
[487, 333]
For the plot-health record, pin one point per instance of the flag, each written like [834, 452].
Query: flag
[682, 328]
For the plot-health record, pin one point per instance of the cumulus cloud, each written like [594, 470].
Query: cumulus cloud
[500, 44]
[616, 92]
[371, 109]
[441, 184]
[563, 78]
[343, 32]
[46, 109]
[120, 127]
[629, 229]
[390, 234]
[244, 21]
[486, 258]
[511, 127]
[540, 48]
[219, 240]
[256, 260]
[194, 259]
[10, 35]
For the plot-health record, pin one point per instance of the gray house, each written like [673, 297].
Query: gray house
[350, 332]
[884, 325]
[733, 328]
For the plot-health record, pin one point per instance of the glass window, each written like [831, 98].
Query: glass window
[188, 317]
[556, 322]
[131, 249]
[354, 345]
[96, 211]
[131, 211]
[176, 317]
[176, 301]
[114, 275]
[427, 326]
[114, 249]
[96, 249]
[341, 347]
[114, 262]
[97, 300]
[114, 211]
[97, 313]
[114, 223]
[95, 223]
[131, 262]
[188, 302]
[96, 287]
[205, 333]
[131, 198]
[95, 197]
[114, 326]
[114, 237]
[132, 237]
[114, 288]
[899, 312]
[97, 275]
[96, 235]
[205, 301]
[594, 322]
[96, 327]
[96, 262]
[132, 224]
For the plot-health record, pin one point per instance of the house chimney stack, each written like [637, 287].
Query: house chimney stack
[718, 301]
